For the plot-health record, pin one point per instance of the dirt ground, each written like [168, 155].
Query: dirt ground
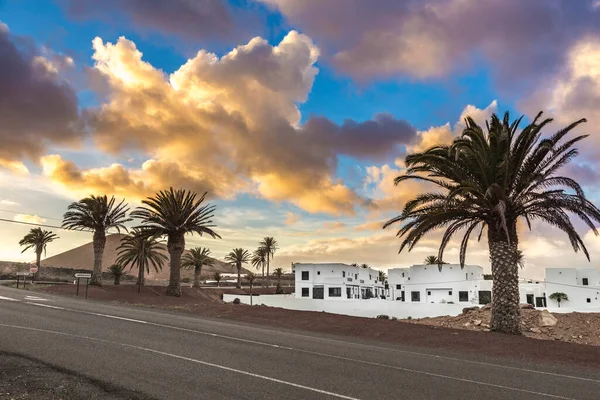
[206, 302]
[23, 378]
[582, 328]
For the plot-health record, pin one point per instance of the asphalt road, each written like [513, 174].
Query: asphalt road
[164, 355]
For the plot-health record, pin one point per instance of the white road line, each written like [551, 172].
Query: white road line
[316, 353]
[48, 306]
[8, 298]
[209, 364]
[35, 298]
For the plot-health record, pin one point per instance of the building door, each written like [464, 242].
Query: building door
[530, 299]
[485, 297]
[402, 295]
[540, 302]
[318, 292]
[348, 292]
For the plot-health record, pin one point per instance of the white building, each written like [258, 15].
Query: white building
[430, 284]
[582, 286]
[336, 281]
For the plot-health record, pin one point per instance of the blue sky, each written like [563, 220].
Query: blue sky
[282, 149]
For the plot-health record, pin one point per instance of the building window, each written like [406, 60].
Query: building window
[335, 292]
[305, 292]
[463, 296]
[584, 281]
[370, 277]
[304, 275]
[343, 274]
[428, 293]
[398, 287]
[450, 293]
[355, 276]
[589, 300]
[318, 272]
[403, 274]
[415, 296]
[409, 278]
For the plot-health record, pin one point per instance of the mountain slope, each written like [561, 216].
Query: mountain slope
[82, 257]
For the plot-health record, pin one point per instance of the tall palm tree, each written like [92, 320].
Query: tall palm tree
[490, 180]
[174, 213]
[37, 239]
[364, 266]
[238, 257]
[195, 259]
[97, 214]
[140, 250]
[278, 273]
[259, 259]
[270, 245]
[217, 277]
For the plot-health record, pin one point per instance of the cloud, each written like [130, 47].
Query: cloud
[291, 218]
[334, 225]
[225, 125]
[370, 226]
[430, 39]
[32, 219]
[37, 107]
[188, 19]
[7, 202]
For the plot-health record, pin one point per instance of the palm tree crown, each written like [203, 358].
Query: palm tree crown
[142, 251]
[270, 246]
[38, 239]
[259, 259]
[491, 180]
[96, 213]
[195, 259]
[238, 257]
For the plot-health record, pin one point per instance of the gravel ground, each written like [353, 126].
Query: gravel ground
[24, 378]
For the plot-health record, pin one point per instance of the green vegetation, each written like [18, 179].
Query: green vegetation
[559, 296]
[175, 213]
[259, 259]
[217, 277]
[140, 250]
[433, 260]
[195, 259]
[37, 239]
[489, 179]
[270, 246]
[278, 273]
[117, 271]
[96, 214]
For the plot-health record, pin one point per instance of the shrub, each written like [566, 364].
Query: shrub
[394, 319]
[236, 301]
[409, 317]
[186, 280]
[382, 316]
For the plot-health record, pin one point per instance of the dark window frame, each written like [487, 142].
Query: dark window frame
[305, 275]
[463, 295]
[305, 292]
[337, 292]
[415, 296]
[585, 282]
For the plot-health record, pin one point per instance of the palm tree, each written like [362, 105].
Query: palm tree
[433, 260]
[259, 259]
[250, 277]
[490, 180]
[382, 276]
[559, 296]
[354, 265]
[117, 270]
[217, 277]
[174, 213]
[37, 239]
[270, 246]
[520, 259]
[237, 258]
[278, 273]
[140, 250]
[97, 214]
[365, 266]
[196, 258]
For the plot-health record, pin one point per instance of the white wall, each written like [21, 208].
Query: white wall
[360, 308]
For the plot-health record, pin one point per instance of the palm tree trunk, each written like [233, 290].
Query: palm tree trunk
[263, 270]
[117, 280]
[175, 246]
[268, 276]
[38, 263]
[239, 281]
[197, 272]
[506, 313]
[99, 242]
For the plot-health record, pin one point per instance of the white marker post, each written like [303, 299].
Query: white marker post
[24, 275]
[87, 277]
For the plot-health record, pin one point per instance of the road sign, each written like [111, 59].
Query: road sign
[33, 269]
[23, 273]
[81, 275]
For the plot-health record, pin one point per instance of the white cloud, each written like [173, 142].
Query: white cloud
[33, 219]
[7, 202]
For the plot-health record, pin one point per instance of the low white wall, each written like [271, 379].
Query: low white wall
[359, 308]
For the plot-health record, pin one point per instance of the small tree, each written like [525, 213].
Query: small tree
[217, 277]
[237, 258]
[559, 296]
[250, 277]
[37, 239]
[382, 276]
[117, 270]
[195, 259]
[139, 250]
[278, 273]
[364, 266]
[433, 260]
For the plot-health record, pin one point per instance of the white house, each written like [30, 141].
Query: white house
[582, 286]
[336, 281]
[430, 284]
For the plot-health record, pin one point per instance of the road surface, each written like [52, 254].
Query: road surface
[164, 355]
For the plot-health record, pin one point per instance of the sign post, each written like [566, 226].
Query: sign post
[33, 269]
[85, 276]
[24, 275]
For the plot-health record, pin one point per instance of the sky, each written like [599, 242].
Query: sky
[294, 116]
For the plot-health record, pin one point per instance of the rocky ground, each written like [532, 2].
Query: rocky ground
[582, 328]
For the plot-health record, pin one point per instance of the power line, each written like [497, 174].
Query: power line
[41, 216]
[45, 225]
